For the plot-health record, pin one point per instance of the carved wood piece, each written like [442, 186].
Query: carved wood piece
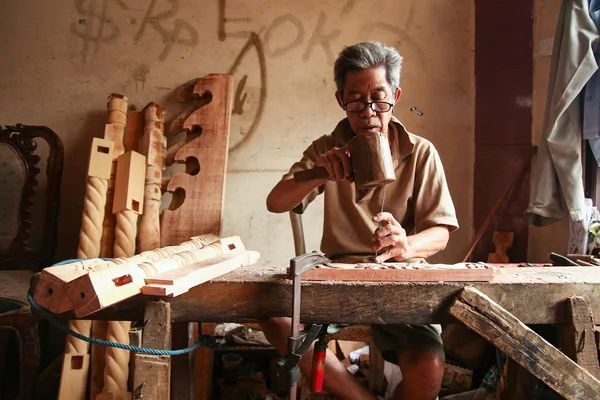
[104, 287]
[199, 194]
[153, 146]
[502, 241]
[115, 132]
[50, 291]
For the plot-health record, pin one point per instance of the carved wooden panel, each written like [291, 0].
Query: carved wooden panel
[197, 204]
[19, 175]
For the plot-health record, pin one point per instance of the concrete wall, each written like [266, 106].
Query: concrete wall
[543, 240]
[62, 58]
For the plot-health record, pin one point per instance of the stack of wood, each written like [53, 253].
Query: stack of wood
[125, 184]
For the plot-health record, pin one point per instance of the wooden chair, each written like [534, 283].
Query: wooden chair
[360, 333]
[28, 209]
[23, 216]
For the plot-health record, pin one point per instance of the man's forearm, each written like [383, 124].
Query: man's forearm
[427, 243]
[288, 194]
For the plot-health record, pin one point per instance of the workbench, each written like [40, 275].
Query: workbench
[531, 295]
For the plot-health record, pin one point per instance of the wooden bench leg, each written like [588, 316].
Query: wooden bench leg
[578, 340]
[152, 374]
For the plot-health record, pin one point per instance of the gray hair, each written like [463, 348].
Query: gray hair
[367, 55]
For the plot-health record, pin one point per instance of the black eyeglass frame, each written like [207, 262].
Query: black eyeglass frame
[369, 104]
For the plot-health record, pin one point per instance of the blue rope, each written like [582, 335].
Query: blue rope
[205, 340]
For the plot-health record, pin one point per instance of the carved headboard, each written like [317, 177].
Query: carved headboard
[22, 188]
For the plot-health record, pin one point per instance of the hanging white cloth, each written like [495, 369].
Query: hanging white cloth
[557, 186]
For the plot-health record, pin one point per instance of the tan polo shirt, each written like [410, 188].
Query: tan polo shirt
[418, 199]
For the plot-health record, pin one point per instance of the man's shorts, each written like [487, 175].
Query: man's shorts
[391, 338]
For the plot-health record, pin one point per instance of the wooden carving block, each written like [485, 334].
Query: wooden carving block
[401, 272]
[50, 290]
[101, 158]
[104, 287]
[130, 181]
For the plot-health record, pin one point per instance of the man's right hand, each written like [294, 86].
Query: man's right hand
[337, 163]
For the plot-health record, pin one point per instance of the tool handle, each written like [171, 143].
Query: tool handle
[311, 174]
[318, 366]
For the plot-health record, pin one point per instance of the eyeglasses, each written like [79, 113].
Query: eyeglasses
[357, 106]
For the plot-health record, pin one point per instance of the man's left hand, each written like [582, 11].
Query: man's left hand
[391, 238]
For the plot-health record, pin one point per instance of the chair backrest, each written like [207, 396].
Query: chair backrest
[27, 208]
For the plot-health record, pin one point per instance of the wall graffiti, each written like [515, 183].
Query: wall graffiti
[94, 25]
[319, 38]
[278, 37]
[182, 33]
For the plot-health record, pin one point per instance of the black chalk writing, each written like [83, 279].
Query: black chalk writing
[277, 22]
[182, 32]
[94, 26]
[320, 39]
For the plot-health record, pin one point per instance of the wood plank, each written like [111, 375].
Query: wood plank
[176, 282]
[507, 333]
[197, 204]
[578, 336]
[152, 374]
[401, 272]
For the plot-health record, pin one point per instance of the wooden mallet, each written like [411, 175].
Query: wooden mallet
[371, 161]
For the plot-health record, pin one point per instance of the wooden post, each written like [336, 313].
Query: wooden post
[128, 204]
[76, 362]
[114, 131]
[523, 345]
[153, 146]
[578, 339]
[152, 374]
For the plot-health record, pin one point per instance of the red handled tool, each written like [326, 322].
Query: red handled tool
[318, 364]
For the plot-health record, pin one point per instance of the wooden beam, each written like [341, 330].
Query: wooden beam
[152, 374]
[507, 333]
[534, 295]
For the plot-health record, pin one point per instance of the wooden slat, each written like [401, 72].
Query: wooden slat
[507, 333]
[176, 282]
[401, 272]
